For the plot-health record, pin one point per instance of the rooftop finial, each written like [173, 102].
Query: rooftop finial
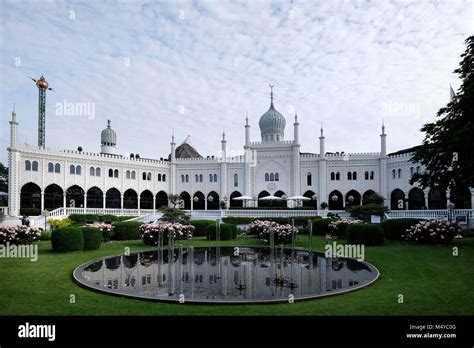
[13, 113]
[223, 135]
[108, 123]
[383, 127]
[296, 115]
[247, 119]
[172, 135]
[271, 93]
[322, 129]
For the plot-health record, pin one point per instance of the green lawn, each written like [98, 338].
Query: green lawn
[432, 281]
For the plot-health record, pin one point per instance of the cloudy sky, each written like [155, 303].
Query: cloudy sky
[199, 66]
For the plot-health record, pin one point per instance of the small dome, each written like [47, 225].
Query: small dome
[272, 123]
[108, 136]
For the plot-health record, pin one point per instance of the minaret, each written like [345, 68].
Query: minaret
[322, 177]
[247, 131]
[173, 178]
[383, 141]
[224, 168]
[296, 138]
[383, 164]
[108, 140]
[13, 169]
[322, 151]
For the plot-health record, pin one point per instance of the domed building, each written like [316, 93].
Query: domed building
[272, 172]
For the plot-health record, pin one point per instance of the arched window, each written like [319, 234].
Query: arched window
[50, 167]
[116, 172]
[78, 170]
[349, 176]
[92, 171]
[144, 176]
[210, 177]
[34, 166]
[27, 165]
[159, 177]
[354, 175]
[236, 180]
[201, 178]
[399, 173]
[338, 176]
[333, 176]
[272, 177]
[267, 177]
[277, 177]
[57, 168]
[412, 171]
[309, 179]
[127, 174]
[182, 178]
[366, 175]
[164, 177]
[187, 178]
[148, 177]
[418, 169]
[97, 171]
[72, 169]
[215, 177]
[134, 175]
[393, 173]
[372, 175]
[196, 177]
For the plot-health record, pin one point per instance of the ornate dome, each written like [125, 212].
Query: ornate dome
[108, 136]
[272, 123]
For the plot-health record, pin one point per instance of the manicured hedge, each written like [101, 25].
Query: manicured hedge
[366, 234]
[321, 226]
[201, 227]
[84, 218]
[299, 220]
[126, 230]
[92, 238]
[67, 239]
[228, 232]
[30, 211]
[394, 228]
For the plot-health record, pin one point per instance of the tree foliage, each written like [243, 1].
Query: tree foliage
[447, 152]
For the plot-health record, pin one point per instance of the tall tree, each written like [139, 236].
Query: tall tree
[447, 151]
[3, 178]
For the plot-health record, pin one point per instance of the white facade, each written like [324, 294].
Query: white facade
[273, 166]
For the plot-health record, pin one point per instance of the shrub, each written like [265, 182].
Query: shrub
[59, 223]
[67, 239]
[364, 212]
[367, 234]
[19, 234]
[339, 227]
[432, 232]
[150, 232]
[30, 211]
[92, 238]
[45, 235]
[282, 233]
[201, 227]
[321, 226]
[81, 219]
[174, 215]
[126, 230]
[228, 232]
[395, 228]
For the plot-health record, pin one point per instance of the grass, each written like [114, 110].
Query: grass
[431, 280]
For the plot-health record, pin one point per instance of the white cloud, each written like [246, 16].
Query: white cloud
[339, 62]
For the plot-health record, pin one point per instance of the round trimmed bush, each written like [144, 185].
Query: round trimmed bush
[201, 227]
[126, 230]
[321, 226]
[67, 239]
[92, 238]
[365, 234]
[228, 232]
[395, 228]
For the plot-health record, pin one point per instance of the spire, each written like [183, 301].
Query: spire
[322, 131]
[13, 114]
[172, 136]
[271, 93]
[247, 119]
[108, 123]
[296, 116]
[223, 135]
[383, 127]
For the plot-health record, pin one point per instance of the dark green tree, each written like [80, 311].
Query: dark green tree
[3, 178]
[447, 152]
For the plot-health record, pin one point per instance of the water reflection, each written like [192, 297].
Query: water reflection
[222, 275]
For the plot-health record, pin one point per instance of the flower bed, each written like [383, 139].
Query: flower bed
[105, 229]
[19, 234]
[150, 232]
[282, 233]
[339, 227]
[432, 232]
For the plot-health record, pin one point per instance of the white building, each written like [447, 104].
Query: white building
[52, 178]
